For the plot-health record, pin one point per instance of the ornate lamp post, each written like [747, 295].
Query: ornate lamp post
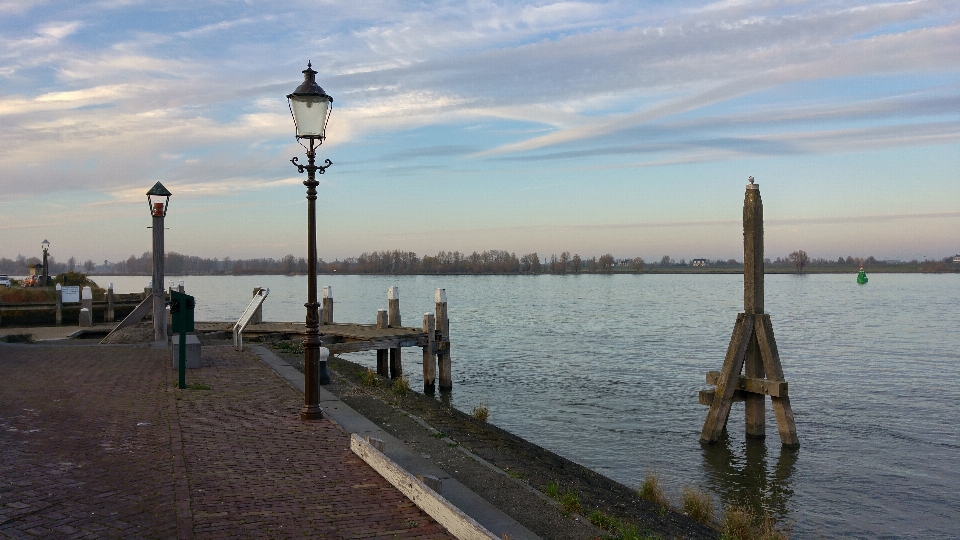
[45, 246]
[310, 107]
[158, 210]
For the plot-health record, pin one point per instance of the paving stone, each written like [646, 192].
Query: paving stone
[98, 442]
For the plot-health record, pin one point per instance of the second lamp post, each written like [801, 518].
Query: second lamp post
[310, 107]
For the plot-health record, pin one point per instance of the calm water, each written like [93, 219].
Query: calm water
[605, 370]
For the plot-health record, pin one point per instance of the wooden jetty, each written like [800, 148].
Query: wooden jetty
[751, 370]
[387, 336]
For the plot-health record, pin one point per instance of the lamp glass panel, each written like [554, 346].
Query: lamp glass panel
[310, 113]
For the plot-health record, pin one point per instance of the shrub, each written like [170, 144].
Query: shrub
[553, 490]
[741, 523]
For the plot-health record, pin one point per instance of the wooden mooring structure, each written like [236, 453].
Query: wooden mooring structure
[751, 370]
[387, 336]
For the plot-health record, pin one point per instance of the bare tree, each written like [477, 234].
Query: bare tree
[799, 259]
[577, 263]
[637, 264]
[606, 262]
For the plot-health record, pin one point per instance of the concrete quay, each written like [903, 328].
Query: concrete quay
[97, 442]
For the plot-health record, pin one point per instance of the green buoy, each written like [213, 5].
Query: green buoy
[862, 276]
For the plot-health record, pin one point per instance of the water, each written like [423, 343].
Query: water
[605, 370]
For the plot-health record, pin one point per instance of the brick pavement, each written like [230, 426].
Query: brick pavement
[97, 442]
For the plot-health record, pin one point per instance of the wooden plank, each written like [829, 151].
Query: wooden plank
[706, 397]
[751, 385]
[726, 385]
[449, 516]
[429, 356]
[786, 425]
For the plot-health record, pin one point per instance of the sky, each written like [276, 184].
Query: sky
[610, 126]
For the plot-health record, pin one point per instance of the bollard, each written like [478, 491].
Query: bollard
[86, 320]
[59, 296]
[180, 287]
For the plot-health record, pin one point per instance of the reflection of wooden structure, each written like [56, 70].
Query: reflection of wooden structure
[752, 350]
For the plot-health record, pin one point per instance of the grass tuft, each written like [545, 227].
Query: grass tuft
[401, 386]
[698, 505]
[741, 523]
[293, 347]
[553, 490]
[369, 378]
[570, 502]
[651, 491]
[481, 412]
[198, 386]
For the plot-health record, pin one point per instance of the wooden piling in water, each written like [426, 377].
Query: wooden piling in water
[752, 350]
[393, 315]
[429, 354]
[443, 345]
[327, 317]
[382, 365]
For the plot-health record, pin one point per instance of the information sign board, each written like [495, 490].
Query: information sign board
[70, 294]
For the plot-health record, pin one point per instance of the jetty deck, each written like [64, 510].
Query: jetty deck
[338, 337]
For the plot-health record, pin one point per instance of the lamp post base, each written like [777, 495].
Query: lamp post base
[313, 412]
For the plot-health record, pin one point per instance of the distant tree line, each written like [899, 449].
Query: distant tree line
[449, 262]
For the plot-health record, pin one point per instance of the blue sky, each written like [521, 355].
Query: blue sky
[611, 126]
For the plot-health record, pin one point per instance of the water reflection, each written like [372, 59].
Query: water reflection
[745, 473]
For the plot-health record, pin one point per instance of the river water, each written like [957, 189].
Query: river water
[605, 371]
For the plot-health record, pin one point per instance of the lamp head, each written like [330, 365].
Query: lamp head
[158, 209]
[310, 107]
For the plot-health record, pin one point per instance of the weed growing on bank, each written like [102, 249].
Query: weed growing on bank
[741, 523]
[651, 491]
[401, 386]
[370, 378]
[698, 505]
[481, 412]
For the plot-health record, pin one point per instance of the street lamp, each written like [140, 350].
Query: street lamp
[45, 246]
[158, 209]
[310, 107]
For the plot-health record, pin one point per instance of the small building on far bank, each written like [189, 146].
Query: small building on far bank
[956, 259]
[698, 262]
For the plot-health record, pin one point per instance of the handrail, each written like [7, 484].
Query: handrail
[244, 320]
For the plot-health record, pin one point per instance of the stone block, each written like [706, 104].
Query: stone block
[193, 351]
[86, 318]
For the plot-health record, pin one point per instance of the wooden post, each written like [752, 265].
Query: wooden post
[393, 315]
[327, 305]
[755, 413]
[180, 288]
[382, 365]
[257, 316]
[59, 304]
[752, 349]
[429, 358]
[159, 305]
[443, 347]
[110, 315]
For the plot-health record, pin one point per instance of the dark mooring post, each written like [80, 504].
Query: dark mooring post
[443, 345]
[429, 354]
[382, 364]
[393, 316]
[752, 350]
[159, 303]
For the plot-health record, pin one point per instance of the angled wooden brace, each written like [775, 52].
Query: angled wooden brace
[771, 363]
[729, 375]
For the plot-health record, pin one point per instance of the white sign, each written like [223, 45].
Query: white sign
[70, 294]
